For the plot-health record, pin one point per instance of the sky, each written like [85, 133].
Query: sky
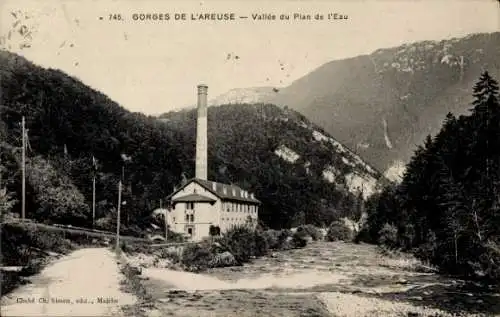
[154, 66]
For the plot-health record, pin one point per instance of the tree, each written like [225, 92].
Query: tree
[447, 205]
[214, 231]
[56, 196]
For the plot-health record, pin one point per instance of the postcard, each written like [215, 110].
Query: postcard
[249, 158]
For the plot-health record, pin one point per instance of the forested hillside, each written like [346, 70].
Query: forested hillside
[447, 209]
[69, 123]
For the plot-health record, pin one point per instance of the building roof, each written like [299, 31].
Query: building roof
[223, 191]
[194, 198]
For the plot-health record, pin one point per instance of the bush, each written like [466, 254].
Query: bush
[299, 239]
[312, 231]
[223, 259]
[125, 247]
[284, 239]
[261, 244]
[363, 236]
[272, 238]
[488, 263]
[339, 232]
[240, 241]
[195, 257]
[214, 231]
[173, 236]
[170, 253]
[388, 236]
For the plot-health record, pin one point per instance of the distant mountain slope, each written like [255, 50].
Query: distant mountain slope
[296, 170]
[244, 95]
[383, 104]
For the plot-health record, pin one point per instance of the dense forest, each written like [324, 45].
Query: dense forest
[447, 208]
[75, 132]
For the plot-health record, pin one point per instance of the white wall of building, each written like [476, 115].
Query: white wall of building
[237, 213]
[222, 214]
[204, 214]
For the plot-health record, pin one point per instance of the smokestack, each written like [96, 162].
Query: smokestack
[201, 134]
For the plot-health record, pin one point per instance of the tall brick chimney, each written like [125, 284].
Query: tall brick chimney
[201, 134]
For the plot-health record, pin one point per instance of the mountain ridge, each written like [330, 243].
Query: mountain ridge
[383, 104]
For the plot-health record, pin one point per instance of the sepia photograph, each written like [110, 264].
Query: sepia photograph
[288, 158]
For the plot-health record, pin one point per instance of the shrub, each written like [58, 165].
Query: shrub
[313, 232]
[170, 253]
[9, 281]
[223, 259]
[195, 257]
[214, 231]
[173, 236]
[299, 239]
[125, 247]
[488, 262]
[283, 238]
[388, 236]
[339, 232]
[261, 244]
[364, 235]
[240, 241]
[272, 238]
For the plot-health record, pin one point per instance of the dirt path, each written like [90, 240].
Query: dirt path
[84, 283]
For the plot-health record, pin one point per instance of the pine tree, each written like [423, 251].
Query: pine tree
[484, 149]
[485, 93]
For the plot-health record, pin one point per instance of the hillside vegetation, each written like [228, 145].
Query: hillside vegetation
[68, 123]
[447, 208]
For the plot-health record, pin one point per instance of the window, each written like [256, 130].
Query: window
[192, 218]
[190, 205]
[187, 217]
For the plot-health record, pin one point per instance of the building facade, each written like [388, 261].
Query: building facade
[200, 204]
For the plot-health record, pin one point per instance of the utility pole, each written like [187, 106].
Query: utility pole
[94, 174]
[165, 220]
[93, 201]
[118, 217]
[23, 167]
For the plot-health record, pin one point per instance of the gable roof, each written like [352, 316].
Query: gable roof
[223, 191]
[194, 198]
